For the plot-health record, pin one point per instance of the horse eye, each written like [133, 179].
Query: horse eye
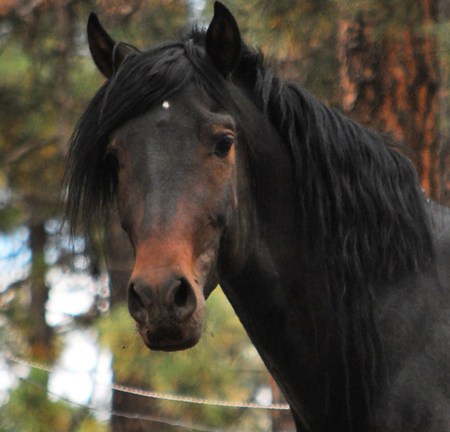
[223, 145]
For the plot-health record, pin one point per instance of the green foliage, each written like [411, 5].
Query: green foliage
[28, 410]
[9, 218]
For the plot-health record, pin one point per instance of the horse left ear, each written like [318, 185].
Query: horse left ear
[107, 54]
[223, 40]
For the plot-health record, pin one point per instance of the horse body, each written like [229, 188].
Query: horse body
[315, 228]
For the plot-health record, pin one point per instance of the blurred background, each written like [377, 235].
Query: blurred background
[69, 354]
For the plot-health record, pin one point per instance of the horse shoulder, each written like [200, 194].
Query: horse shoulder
[415, 323]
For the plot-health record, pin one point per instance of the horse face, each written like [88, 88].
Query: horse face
[176, 189]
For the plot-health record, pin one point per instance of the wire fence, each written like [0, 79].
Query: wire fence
[132, 416]
[140, 392]
[156, 395]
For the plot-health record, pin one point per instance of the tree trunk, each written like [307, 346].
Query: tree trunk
[39, 333]
[282, 421]
[444, 16]
[119, 258]
[390, 82]
[65, 29]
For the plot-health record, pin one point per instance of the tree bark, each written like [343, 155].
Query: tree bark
[65, 48]
[119, 258]
[39, 333]
[282, 421]
[391, 82]
[444, 16]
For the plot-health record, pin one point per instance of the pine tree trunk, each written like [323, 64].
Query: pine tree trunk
[391, 82]
[119, 258]
[444, 16]
[65, 19]
[39, 333]
[282, 421]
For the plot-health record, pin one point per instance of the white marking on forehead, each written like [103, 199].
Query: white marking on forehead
[166, 105]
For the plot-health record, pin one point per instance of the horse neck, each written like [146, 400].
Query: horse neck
[282, 297]
[267, 294]
[282, 303]
[274, 304]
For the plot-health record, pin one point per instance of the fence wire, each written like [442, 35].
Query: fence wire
[156, 395]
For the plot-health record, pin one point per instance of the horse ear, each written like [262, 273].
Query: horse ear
[107, 54]
[223, 40]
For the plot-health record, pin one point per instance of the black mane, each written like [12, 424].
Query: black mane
[363, 215]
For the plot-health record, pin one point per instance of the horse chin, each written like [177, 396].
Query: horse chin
[173, 338]
[173, 345]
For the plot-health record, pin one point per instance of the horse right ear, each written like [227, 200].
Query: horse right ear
[223, 40]
[107, 54]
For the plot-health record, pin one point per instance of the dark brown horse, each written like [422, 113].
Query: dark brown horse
[315, 227]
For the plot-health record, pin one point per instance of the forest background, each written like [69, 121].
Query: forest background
[65, 336]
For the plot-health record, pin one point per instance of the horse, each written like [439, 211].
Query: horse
[315, 227]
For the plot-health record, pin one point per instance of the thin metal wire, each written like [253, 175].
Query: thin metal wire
[157, 395]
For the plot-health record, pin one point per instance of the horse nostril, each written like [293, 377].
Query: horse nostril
[133, 295]
[181, 294]
[136, 304]
[175, 299]
[184, 299]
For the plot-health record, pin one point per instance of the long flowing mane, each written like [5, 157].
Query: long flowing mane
[359, 204]
[361, 209]
[362, 212]
[355, 189]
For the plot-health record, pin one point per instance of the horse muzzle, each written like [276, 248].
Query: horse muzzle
[167, 308]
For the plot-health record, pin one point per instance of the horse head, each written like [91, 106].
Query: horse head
[175, 181]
